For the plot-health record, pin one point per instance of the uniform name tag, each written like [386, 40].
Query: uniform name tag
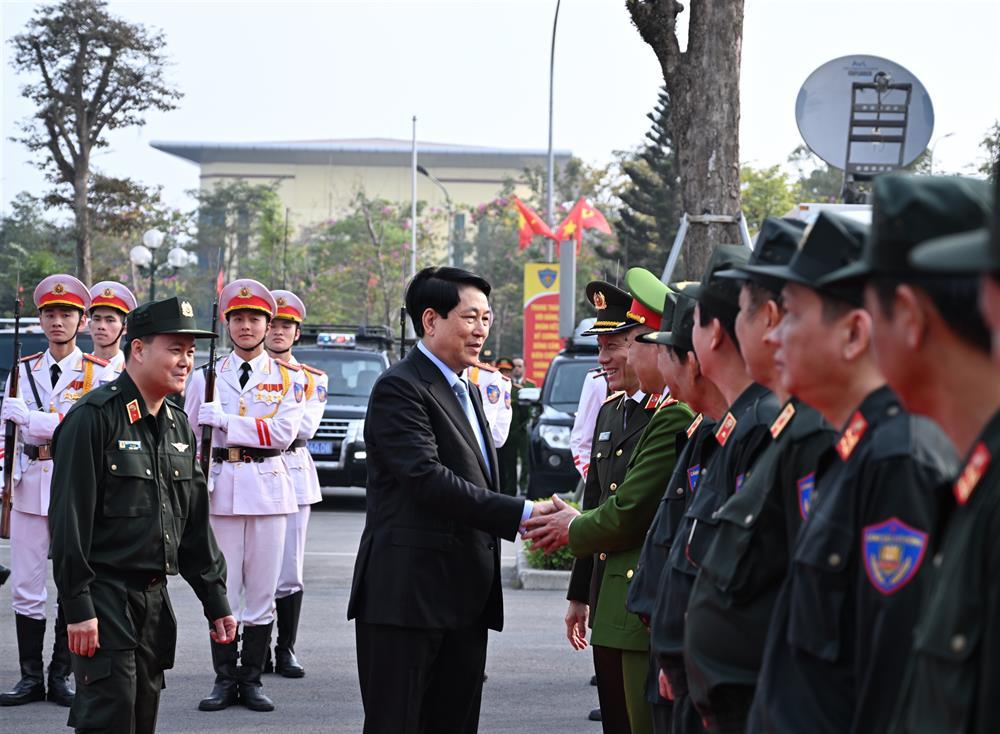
[604, 436]
[130, 445]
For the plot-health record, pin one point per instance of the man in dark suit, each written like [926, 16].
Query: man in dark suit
[427, 577]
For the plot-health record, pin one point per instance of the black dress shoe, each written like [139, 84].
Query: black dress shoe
[225, 693]
[60, 690]
[593, 679]
[27, 690]
[595, 715]
[4, 574]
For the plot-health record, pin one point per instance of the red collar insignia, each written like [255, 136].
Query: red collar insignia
[852, 435]
[974, 469]
[783, 419]
[728, 424]
[134, 413]
[654, 398]
[694, 424]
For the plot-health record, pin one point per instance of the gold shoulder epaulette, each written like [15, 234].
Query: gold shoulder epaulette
[32, 356]
[309, 368]
[613, 396]
[289, 365]
[96, 360]
[485, 367]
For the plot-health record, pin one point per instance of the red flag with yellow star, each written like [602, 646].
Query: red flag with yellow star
[529, 224]
[582, 216]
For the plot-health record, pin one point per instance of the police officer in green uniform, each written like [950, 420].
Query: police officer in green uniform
[842, 625]
[734, 593]
[679, 367]
[129, 508]
[741, 434]
[934, 349]
[617, 528]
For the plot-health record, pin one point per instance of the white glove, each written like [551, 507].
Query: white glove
[16, 410]
[211, 414]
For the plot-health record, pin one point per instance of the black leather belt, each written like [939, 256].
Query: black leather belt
[296, 444]
[42, 452]
[141, 581]
[236, 454]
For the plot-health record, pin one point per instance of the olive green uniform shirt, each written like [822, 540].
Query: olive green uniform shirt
[129, 501]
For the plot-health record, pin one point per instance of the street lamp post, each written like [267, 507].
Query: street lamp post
[451, 215]
[144, 257]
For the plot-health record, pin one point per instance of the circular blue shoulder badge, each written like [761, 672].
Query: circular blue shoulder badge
[299, 391]
[506, 399]
[493, 394]
[893, 554]
[321, 393]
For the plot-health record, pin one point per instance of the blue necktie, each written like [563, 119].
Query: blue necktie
[462, 393]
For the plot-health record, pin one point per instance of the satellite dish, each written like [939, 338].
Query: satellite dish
[864, 115]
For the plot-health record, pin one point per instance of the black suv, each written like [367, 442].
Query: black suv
[550, 456]
[353, 357]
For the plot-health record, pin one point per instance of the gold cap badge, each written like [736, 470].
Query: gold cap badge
[186, 309]
[600, 302]
[108, 293]
[244, 292]
[58, 289]
[282, 301]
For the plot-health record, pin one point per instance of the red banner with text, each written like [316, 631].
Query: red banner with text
[541, 318]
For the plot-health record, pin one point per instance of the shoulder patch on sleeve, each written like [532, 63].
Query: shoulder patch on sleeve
[96, 360]
[311, 369]
[893, 552]
[289, 365]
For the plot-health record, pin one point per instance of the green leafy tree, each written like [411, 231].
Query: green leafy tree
[650, 198]
[31, 247]
[93, 73]
[991, 147]
[817, 181]
[766, 192]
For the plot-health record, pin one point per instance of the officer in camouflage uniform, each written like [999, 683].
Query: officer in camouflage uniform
[130, 508]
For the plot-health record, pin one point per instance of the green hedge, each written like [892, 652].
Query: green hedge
[561, 560]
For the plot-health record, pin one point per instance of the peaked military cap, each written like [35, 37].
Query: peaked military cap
[169, 316]
[648, 296]
[974, 251]
[505, 363]
[908, 210]
[680, 327]
[612, 304]
[719, 293]
[777, 242]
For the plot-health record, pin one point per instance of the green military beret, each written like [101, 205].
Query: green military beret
[648, 295]
[908, 210]
[974, 251]
[169, 316]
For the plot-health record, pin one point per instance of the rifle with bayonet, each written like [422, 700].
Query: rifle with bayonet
[206, 431]
[10, 430]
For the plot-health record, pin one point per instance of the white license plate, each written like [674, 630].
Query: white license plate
[320, 447]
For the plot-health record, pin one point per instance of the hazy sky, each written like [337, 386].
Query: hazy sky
[477, 73]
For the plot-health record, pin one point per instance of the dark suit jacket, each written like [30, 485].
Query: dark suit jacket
[429, 556]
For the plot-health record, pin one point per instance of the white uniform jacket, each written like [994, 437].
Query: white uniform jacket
[80, 374]
[592, 397]
[300, 462]
[495, 390]
[265, 414]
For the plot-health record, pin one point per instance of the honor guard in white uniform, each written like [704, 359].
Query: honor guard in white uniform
[110, 303]
[284, 332]
[255, 413]
[495, 389]
[50, 384]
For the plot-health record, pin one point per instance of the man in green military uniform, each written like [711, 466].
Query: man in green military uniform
[616, 529]
[933, 347]
[129, 508]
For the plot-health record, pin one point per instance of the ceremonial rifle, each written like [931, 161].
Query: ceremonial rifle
[206, 431]
[10, 432]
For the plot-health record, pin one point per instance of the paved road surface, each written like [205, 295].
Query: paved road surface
[537, 684]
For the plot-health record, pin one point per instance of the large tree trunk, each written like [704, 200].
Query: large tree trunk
[81, 211]
[704, 112]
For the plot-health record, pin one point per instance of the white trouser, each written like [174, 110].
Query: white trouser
[293, 558]
[29, 558]
[252, 546]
